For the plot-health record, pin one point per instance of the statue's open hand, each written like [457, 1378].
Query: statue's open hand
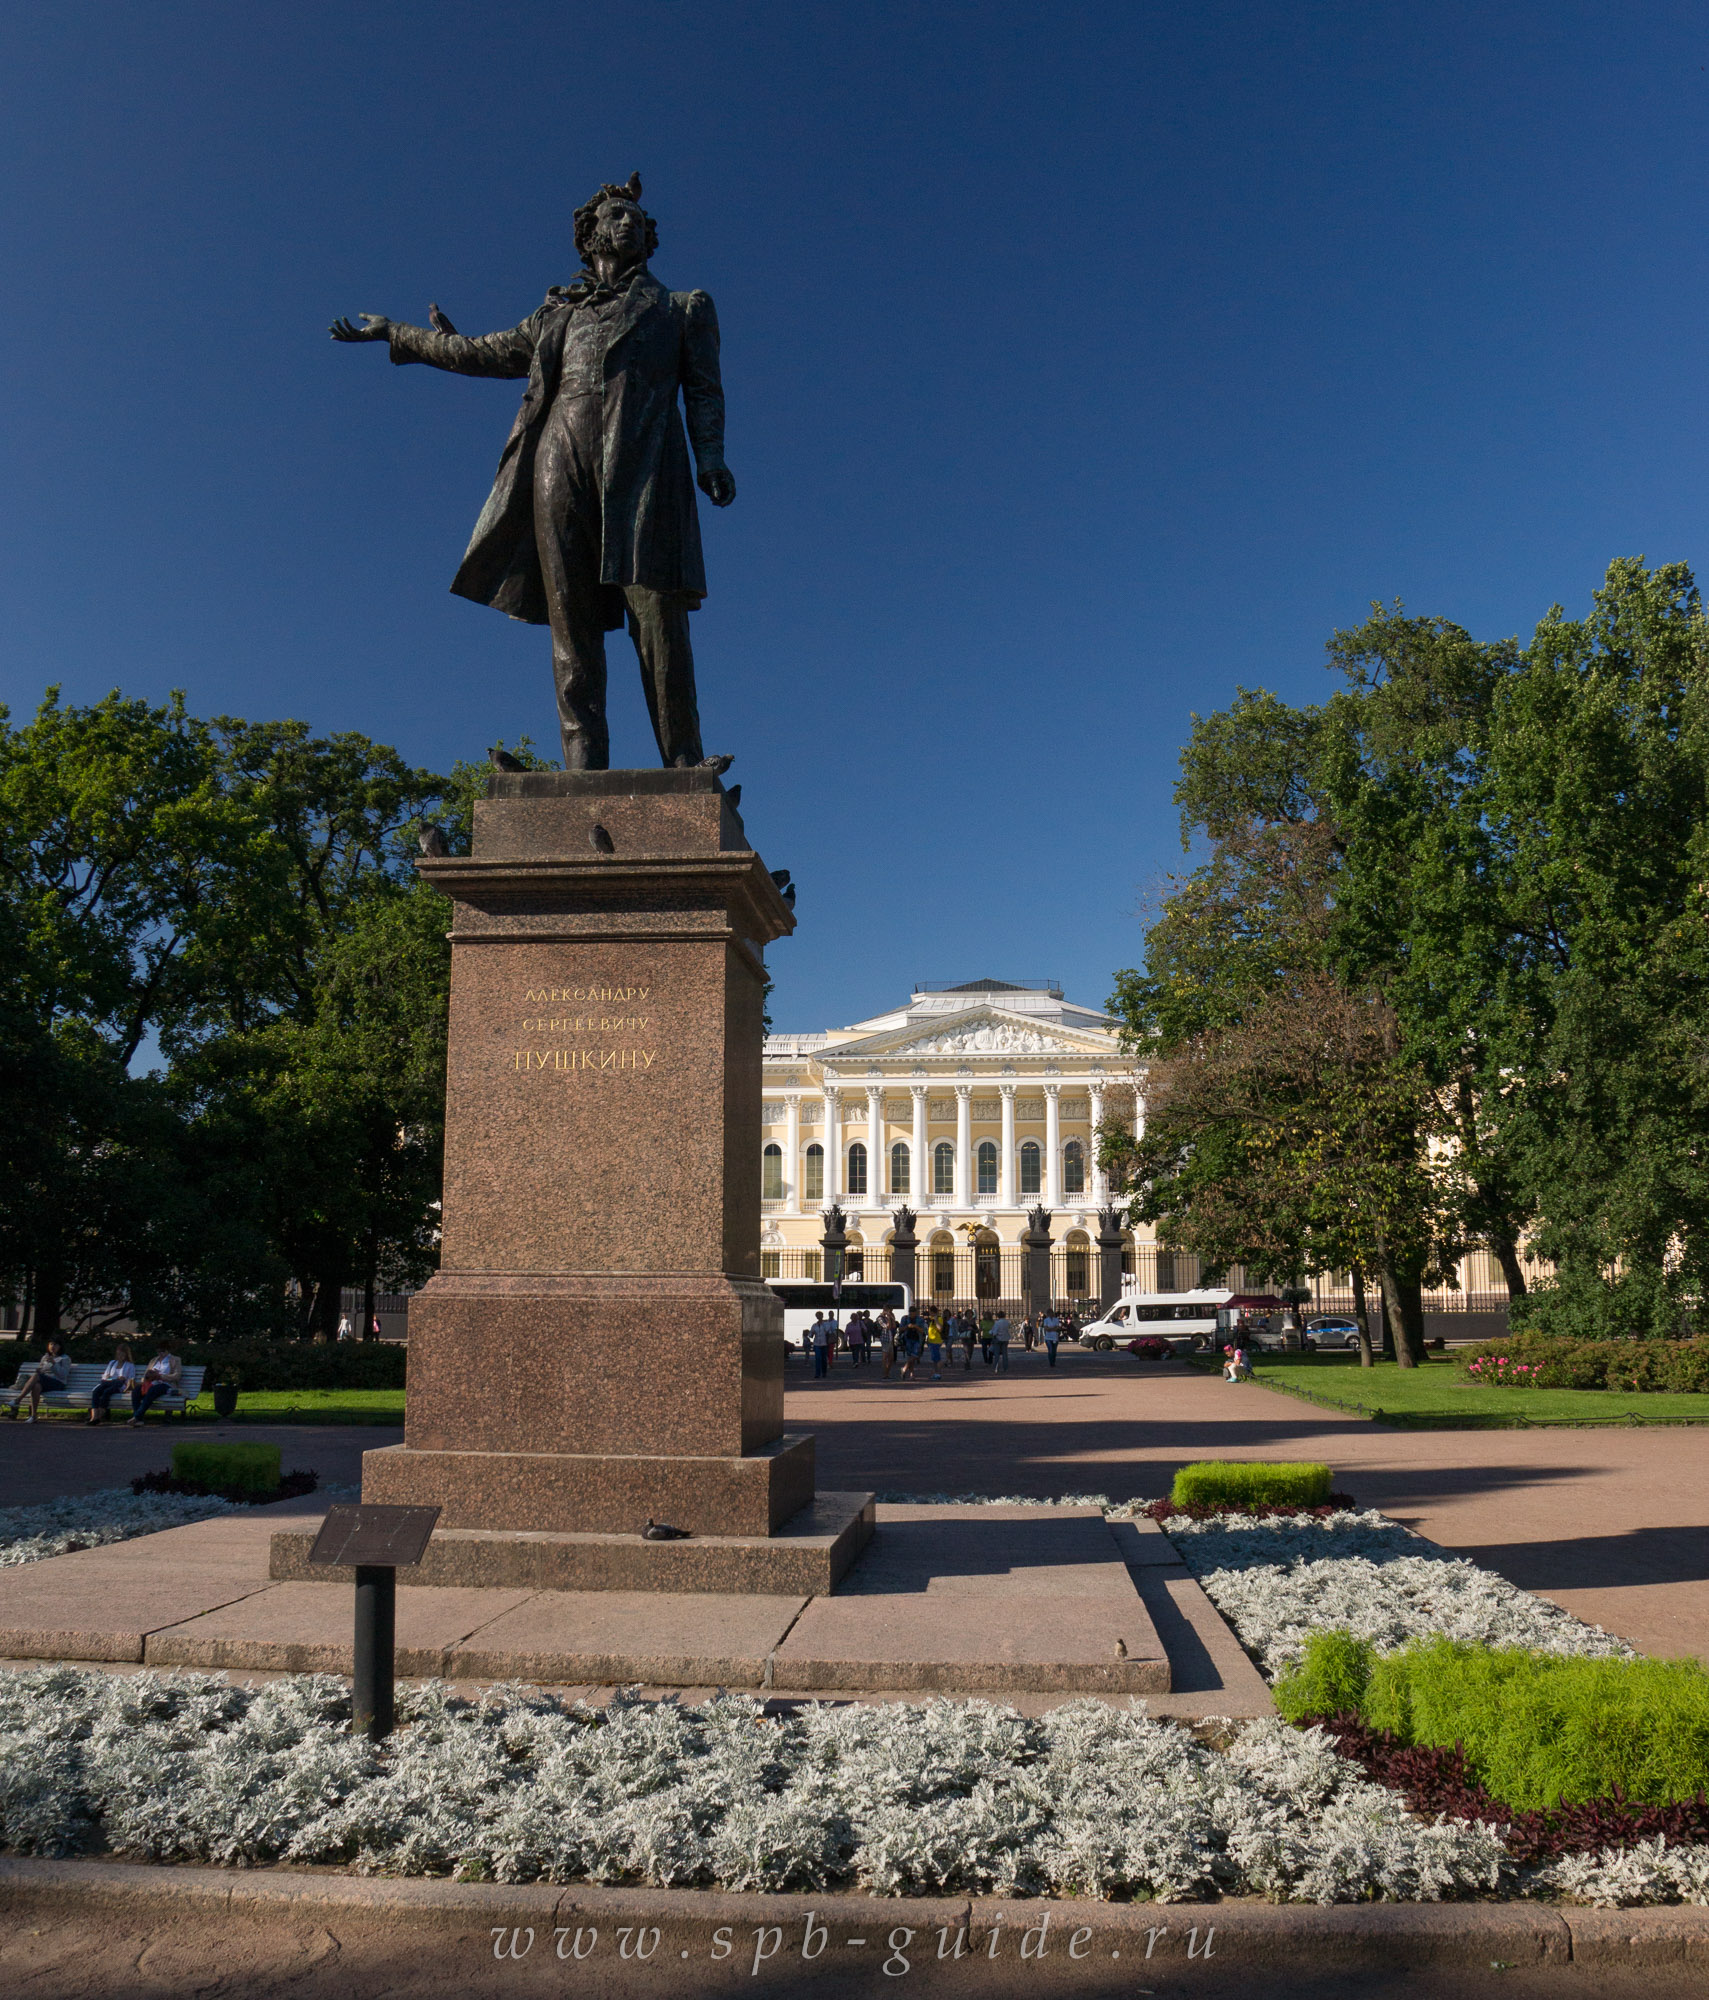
[717, 483]
[375, 326]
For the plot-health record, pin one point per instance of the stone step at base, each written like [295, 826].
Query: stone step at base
[808, 1557]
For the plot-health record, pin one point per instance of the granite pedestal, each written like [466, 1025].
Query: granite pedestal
[597, 1348]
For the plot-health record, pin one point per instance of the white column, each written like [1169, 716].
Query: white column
[1006, 1153]
[964, 1145]
[1052, 1147]
[833, 1146]
[1099, 1192]
[792, 1155]
[875, 1162]
[919, 1167]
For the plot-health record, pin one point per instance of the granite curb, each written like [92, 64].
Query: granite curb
[713, 1938]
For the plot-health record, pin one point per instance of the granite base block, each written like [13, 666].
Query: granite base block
[572, 1493]
[808, 1558]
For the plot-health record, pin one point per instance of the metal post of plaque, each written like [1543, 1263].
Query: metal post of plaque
[376, 1542]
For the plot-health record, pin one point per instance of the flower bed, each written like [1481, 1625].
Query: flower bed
[1542, 1361]
[946, 1796]
[90, 1520]
[119, 1514]
[1278, 1580]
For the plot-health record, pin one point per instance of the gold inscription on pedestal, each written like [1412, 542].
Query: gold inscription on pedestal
[586, 1024]
[607, 993]
[568, 1059]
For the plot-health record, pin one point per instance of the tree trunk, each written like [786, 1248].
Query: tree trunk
[368, 1330]
[1362, 1313]
[1403, 1312]
[49, 1304]
[1507, 1251]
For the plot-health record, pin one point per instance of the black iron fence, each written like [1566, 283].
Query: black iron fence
[997, 1276]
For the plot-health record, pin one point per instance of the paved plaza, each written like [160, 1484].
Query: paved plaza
[1612, 1524]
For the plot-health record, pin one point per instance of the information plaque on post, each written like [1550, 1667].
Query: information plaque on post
[376, 1542]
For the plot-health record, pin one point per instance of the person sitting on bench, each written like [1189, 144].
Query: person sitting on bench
[164, 1376]
[1237, 1368]
[117, 1379]
[53, 1371]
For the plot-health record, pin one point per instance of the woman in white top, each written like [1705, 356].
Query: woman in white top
[116, 1380]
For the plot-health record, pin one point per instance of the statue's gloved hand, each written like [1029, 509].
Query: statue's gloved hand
[716, 482]
[375, 326]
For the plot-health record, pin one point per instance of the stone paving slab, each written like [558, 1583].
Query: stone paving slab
[981, 1600]
[309, 1628]
[626, 1636]
[103, 1604]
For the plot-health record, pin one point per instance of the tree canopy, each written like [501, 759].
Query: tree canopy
[1439, 980]
[222, 1040]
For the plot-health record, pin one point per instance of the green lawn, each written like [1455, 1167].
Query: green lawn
[1435, 1395]
[317, 1406]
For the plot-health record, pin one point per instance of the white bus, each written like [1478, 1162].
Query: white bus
[804, 1299]
[1177, 1317]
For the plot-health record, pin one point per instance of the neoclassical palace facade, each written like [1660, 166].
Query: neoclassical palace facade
[969, 1105]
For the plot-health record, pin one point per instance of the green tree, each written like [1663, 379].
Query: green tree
[116, 837]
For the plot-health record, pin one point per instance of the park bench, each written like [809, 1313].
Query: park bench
[84, 1375]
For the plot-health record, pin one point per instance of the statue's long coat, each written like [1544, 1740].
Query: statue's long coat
[663, 342]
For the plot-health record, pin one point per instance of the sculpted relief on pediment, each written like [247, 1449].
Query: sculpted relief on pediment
[992, 1039]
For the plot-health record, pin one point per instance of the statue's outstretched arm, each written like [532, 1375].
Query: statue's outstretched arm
[505, 354]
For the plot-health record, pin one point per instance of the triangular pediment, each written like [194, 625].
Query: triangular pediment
[979, 1031]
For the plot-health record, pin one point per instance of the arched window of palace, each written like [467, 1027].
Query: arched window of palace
[943, 1168]
[1030, 1182]
[813, 1174]
[899, 1174]
[987, 1158]
[1073, 1168]
[857, 1168]
[854, 1256]
[771, 1174]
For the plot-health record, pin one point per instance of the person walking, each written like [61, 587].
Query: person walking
[985, 1325]
[1029, 1332]
[824, 1331]
[912, 1342]
[969, 1334]
[1051, 1329]
[1001, 1333]
[935, 1349]
[887, 1340]
[116, 1380]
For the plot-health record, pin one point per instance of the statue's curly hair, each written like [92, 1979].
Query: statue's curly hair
[587, 216]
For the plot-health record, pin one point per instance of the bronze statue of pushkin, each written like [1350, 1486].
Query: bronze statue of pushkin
[592, 519]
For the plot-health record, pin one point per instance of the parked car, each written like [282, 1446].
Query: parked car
[1337, 1330]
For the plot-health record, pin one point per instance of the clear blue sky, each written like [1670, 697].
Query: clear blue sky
[1083, 363]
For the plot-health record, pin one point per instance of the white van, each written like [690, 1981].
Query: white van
[804, 1299]
[1177, 1317]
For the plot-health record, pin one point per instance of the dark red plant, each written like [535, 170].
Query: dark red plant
[292, 1486]
[1437, 1781]
[1166, 1510]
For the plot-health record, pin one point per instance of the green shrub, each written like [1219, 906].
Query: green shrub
[1537, 1730]
[1551, 1362]
[1585, 1305]
[1217, 1482]
[228, 1468]
[1330, 1680]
